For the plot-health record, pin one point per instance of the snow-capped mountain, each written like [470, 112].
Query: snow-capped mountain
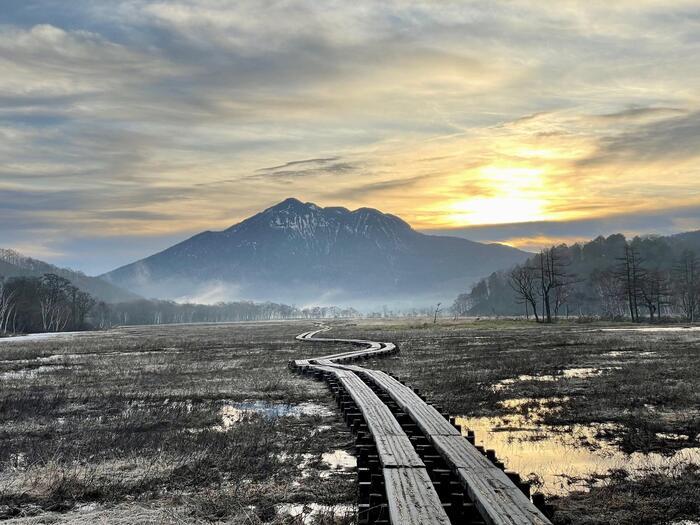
[297, 252]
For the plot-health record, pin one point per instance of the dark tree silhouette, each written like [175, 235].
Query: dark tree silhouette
[686, 284]
[524, 283]
[631, 274]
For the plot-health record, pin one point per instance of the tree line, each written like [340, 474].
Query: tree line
[51, 303]
[642, 279]
[143, 312]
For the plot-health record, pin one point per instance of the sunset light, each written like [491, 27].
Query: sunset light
[143, 122]
[192, 192]
[513, 194]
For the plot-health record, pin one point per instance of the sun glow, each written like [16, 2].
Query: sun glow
[512, 194]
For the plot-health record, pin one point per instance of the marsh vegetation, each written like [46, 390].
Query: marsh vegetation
[204, 423]
[573, 406]
[190, 423]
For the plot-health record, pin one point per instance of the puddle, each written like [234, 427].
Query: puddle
[567, 373]
[87, 507]
[232, 413]
[311, 512]
[555, 454]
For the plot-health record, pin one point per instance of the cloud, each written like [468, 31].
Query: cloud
[638, 113]
[152, 118]
[315, 162]
[306, 168]
[535, 235]
[675, 138]
[361, 191]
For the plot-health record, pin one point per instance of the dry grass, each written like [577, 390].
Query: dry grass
[126, 426]
[123, 427]
[658, 498]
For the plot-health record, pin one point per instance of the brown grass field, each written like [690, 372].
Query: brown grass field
[204, 423]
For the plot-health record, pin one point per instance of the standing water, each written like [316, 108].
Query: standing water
[561, 457]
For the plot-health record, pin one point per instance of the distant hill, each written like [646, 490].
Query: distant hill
[587, 263]
[300, 253]
[686, 241]
[14, 264]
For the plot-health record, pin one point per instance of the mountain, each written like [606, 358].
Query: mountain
[14, 264]
[300, 253]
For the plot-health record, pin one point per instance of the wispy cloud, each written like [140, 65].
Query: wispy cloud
[154, 118]
[676, 138]
[313, 162]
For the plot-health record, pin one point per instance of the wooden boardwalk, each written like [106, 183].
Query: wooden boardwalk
[412, 459]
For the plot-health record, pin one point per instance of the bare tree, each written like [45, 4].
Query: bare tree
[686, 284]
[7, 306]
[550, 267]
[631, 274]
[55, 312]
[523, 282]
[654, 292]
[103, 315]
[607, 286]
[562, 292]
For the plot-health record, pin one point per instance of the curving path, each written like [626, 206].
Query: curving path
[410, 455]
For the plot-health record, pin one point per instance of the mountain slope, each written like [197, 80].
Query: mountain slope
[299, 252]
[14, 264]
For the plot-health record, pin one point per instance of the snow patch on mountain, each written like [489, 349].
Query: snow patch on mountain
[298, 253]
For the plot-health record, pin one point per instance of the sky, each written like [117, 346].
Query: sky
[128, 125]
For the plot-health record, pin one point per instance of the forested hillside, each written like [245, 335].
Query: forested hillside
[15, 264]
[645, 277]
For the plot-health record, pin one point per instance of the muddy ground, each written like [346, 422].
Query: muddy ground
[203, 423]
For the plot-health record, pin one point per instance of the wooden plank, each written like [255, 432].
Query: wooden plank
[397, 452]
[497, 498]
[412, 498]
[499, 501]
[379, 418]
[339, 373]
[428, 419]
[409, 490]
[393, 445]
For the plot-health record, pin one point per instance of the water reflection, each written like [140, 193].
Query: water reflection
[567, 373]
[561, 456]
[232, 413]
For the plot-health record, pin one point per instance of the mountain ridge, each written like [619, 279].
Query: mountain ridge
[16, 264]
[304, 252]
